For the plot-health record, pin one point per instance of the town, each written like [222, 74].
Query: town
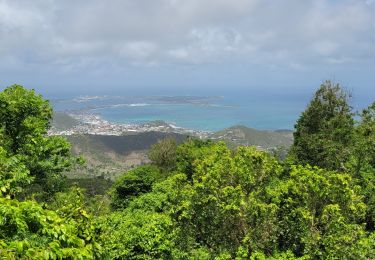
[95, 125]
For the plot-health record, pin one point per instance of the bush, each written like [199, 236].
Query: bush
[132, 184]
[163, 154]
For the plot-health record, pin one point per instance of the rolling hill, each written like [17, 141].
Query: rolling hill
[62, 121]
[263, 139]
[107, 156]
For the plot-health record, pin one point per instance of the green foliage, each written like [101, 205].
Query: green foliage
[98, 205]
[24, 121]
[28, 231]
[220, 208]
[23, 116]
[132, 184]
[200, 200]
[189, 152]
[13, 174]
[365, 140]
[310, 201]
[223, 194]
[139, 235]
[242, 204]
[324, 131]
[362, 164]
[163, 153]
[166, 196]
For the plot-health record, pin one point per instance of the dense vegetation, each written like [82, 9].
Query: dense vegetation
[196, 200]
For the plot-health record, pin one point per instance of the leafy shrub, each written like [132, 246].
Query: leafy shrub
[132, 184]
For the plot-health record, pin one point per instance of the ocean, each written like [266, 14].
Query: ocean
[201, 112]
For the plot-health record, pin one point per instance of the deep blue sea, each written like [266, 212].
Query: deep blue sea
[202, 112]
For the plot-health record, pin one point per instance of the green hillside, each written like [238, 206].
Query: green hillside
[107, 156]
[242, 135]
[62, 121]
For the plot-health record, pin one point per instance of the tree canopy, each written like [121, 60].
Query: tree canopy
[27, 229]
[24, 121]
[324, 132]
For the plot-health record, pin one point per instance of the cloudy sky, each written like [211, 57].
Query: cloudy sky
[187, 45]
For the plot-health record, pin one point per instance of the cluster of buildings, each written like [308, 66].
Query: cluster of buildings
[95, 125]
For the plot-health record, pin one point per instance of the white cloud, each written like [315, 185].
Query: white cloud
[138, 50]
[325, 47]
[180, 53]
[160, 32]
[205, 44]
[12, 18]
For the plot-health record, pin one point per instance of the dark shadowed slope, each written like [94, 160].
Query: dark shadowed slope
[108, 156]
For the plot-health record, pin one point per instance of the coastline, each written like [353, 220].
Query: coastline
[90, 123]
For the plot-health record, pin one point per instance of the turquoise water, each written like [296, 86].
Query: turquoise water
[199, 113]
[203, 117]
[208, 110]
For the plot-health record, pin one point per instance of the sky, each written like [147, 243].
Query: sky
[187, 46]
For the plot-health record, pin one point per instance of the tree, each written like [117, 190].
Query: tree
[364, 147]
[28, 231]
[189, 152]
[318, 209]
[221, 207]
[13, 175]
[132, 184]
[324, 132]
[138, 235]
[363, 161]
[228, 207]
[24, 121]
[163, 153]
